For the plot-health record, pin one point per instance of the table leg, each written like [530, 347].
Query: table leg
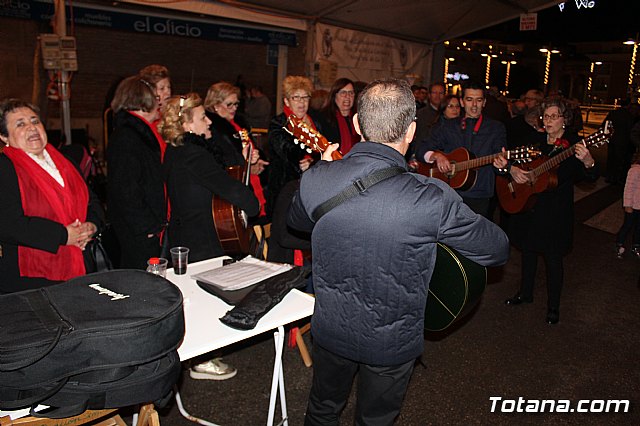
[278, 380]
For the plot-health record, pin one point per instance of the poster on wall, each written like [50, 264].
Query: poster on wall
[365, 57]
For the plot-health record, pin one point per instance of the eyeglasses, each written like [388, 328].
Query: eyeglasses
[345, 93]
[299, 98]
[553, 116]
[453, 106]
[232, 104]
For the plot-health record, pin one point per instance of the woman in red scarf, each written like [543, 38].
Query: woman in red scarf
[337, 116]
[44, 224]
[287, 160]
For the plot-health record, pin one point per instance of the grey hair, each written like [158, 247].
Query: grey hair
[386, 108]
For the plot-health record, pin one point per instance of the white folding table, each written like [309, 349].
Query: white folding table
[205, 333]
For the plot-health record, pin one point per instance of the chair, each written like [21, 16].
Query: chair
[148, 416]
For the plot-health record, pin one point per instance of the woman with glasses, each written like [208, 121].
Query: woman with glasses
[231, 132]
[337, 115]
[287, 160]
[546, 229]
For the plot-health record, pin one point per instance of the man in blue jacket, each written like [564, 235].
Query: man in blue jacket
[372, 260]
[478, 134]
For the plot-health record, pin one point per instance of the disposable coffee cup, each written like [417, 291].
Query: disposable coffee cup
[179, 259]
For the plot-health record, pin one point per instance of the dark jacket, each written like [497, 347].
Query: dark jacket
[548, 226]
[372, 261]
[16, 229]
[490, 139]
[226, 138]
[193, 176]
[284, 156]
[135, 190]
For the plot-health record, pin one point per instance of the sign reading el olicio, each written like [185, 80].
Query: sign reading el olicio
[107, 17]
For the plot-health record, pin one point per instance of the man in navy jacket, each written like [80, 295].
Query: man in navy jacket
[478, 134]
[372, 260]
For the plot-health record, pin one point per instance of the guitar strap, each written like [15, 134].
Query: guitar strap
[358, 186]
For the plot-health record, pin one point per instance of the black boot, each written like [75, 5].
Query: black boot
[553, 316]
[518, 299]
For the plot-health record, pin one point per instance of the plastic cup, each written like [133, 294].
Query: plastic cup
[179, 259]
[158, 266]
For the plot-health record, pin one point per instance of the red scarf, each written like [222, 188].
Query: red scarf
[348, 135]
[254, 180]
[42, 196]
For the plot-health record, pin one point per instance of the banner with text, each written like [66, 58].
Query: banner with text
[363, 56]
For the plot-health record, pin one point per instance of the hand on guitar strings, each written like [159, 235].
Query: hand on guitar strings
[500, 162]
[519, 175]
[442, 162]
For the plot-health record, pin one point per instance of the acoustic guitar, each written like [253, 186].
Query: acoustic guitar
[519, 197]
[231, 223]
[457, 282]
[462, 175]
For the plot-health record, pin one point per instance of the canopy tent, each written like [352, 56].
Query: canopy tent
[422, 21]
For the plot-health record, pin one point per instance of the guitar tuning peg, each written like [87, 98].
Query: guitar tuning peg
[302, 146]
[309, 150]
[296, 141]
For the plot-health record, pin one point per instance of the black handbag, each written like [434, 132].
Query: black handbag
[99, 260]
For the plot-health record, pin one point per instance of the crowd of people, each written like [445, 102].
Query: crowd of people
[168, 156]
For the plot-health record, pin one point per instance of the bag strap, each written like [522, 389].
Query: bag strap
[41, 306]
[357, 187]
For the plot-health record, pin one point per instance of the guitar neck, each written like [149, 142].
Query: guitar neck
[477, 162]
[553, 162]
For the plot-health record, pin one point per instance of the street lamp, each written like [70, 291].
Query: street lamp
[593, 64]
[506, 78]
[487, 72]
[446, 71]
[547, 66]
[632, 67]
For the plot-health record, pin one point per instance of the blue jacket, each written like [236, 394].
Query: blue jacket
[490, 139]
[372, 260]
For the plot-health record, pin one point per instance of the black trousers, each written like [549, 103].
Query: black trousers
[481, 206]
[380, 392]
[555, 276]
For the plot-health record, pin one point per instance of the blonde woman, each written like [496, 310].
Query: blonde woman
[193, 172]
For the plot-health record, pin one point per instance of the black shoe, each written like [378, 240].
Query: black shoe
[553, 316]
[518, 299]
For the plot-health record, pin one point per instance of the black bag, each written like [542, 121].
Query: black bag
[103, 340]
[99, 260]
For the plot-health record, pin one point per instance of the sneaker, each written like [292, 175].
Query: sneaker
[620, 252]
[213, 369]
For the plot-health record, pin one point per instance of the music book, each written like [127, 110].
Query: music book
[241, 274]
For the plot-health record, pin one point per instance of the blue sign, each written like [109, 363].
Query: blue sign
[43, 10]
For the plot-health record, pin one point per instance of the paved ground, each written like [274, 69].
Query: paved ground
[499, 351]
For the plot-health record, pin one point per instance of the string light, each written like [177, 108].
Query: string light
[633, 65]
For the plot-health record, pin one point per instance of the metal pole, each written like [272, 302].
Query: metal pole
[63, 76]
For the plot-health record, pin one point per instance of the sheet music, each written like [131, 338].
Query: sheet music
[241, 274]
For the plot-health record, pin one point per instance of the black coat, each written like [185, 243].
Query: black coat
[226, 139]
[16, 229]
[284, 156]
[548, 226]
[193, 176]
[135, 191]
[372, 260]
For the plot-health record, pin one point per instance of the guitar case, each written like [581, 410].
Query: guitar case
[103, 340]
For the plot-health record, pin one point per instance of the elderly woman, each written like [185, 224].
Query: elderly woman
[288, 161]
[194, 174]
[546, 229]
[135, 190]
[47, 216]
[158, 76]
[231, 134]
[337, 116]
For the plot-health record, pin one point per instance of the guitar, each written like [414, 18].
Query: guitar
[518, 197]
[307, 137]
[230, 222]
[456, 284]
[462, 176]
